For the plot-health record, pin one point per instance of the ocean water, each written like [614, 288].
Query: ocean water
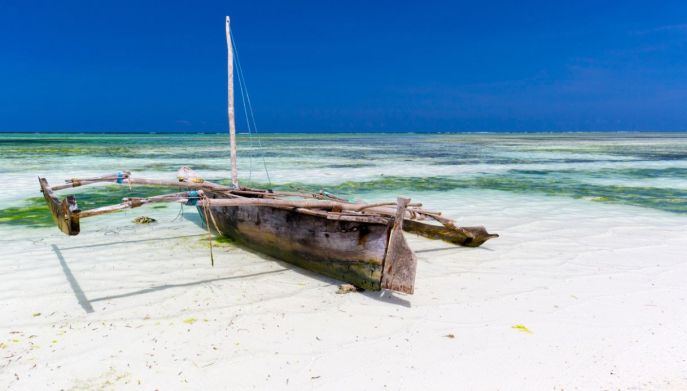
[637, 170]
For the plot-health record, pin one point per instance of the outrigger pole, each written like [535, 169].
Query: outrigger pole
[230, 108]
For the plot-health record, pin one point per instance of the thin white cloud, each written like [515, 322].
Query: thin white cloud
[679, 28]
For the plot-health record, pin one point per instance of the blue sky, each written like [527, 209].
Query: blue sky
[345, 66]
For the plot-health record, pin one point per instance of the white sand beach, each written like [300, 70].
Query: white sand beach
[573, 295]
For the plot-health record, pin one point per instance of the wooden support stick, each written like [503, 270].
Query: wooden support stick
[76, 182]
[368, 206]
[276, 193]
[271, 202]
[145, 182]
[124, 174]
[130, 203]
[448, 223]
[290, 203]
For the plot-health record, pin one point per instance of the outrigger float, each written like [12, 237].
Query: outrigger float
[359, 243]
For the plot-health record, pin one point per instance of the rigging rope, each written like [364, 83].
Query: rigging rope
[248, 124]
[244, 88]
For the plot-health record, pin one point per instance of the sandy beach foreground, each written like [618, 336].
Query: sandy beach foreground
[574, 295]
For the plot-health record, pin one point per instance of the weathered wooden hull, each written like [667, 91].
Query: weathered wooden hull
[348, 251]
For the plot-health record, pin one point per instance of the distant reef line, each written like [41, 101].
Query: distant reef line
[220, 132]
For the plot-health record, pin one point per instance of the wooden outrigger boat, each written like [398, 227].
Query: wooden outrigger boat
[359, 243]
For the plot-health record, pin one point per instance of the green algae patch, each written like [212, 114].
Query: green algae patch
[225, 240]
[522, 328]
[218, 241]
[190, 320]
[34, 213]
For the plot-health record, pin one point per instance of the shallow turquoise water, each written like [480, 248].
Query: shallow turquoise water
[647, 170]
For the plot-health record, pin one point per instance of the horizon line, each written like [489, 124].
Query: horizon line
[339, 132]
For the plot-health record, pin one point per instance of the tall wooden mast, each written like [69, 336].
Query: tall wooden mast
[230, 108]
